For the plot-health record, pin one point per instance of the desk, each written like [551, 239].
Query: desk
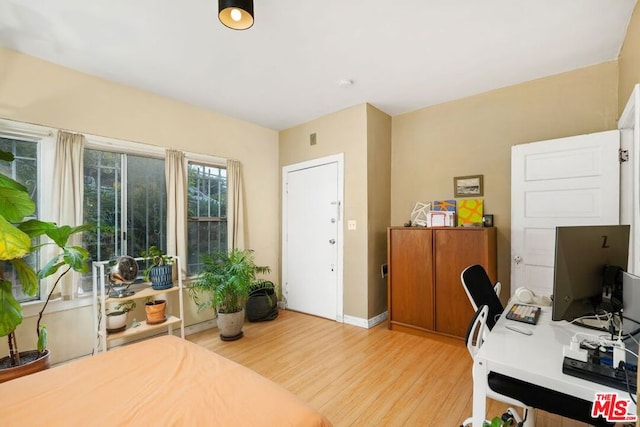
[536, 359]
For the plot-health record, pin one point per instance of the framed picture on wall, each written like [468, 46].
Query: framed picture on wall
[468, 186]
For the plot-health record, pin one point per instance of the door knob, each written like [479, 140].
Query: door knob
[517, 259]
[332, 241]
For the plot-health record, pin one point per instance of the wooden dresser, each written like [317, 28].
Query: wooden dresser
[425, 294]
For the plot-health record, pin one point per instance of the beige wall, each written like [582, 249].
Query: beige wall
[379, 205]
[363, 134]
[629, 61]
[341, 132]
[35, 91]
[474, 136]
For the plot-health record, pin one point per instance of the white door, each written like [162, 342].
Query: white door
[560, 182]
[312, 237]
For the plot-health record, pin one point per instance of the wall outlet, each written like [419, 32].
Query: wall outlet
[351, 224]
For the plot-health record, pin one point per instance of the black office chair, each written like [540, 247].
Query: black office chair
[481, 292]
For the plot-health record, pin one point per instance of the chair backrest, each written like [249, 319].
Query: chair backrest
[475, 331]
[479, 289]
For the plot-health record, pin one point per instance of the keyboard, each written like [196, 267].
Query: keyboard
[601, 374]
[524, 313]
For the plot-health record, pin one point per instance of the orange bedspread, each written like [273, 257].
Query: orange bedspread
[162, 381]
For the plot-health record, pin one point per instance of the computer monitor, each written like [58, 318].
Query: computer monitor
[631, 302]
[582, 256]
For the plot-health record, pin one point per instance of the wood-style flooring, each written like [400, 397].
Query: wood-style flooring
[362, 377]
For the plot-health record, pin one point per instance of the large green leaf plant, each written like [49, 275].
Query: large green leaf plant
[225, 280]
[16, 237]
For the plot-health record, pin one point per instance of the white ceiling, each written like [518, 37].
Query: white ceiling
[401, 55]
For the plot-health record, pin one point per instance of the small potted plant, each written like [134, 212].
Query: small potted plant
[117, 320]
[160, 269]
[224, 285]
[155, 310]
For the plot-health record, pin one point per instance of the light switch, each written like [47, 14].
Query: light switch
[351, 224]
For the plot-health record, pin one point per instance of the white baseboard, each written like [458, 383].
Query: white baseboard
[364, 323]
[198, 327]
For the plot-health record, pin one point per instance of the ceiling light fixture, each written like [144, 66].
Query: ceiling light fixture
[236, 14]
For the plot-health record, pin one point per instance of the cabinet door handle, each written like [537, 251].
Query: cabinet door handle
[332, 241]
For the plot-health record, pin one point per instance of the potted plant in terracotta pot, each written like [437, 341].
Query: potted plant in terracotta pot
[16, 236]
[155, 310]
[160, 270]
[223, 285]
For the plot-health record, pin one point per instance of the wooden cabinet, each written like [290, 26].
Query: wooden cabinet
[425, 293]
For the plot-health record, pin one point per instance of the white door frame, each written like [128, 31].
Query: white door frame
[339, 159]
[629, 126]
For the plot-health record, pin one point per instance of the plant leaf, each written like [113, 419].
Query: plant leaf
[7, 156]
[35, 228]
[6, 182]
[10, 309]
[15, 204]
[42, 339]
[76, 257]
[60, 235]
[13, 242]
[26, 275]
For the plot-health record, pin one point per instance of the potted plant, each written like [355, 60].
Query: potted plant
[117, 320]
[223, 285]
[160, 269]
[155, 310]
[16, 235]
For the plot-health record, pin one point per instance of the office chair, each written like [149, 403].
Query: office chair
[474, 339]
[481, 291]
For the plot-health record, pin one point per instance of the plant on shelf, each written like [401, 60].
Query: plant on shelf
[224, 285]
[155, 310]
[160, 269]
[117, 320]
[16, 236]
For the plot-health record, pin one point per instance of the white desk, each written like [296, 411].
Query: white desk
[536, 359]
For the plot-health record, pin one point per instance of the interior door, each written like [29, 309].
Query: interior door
[560, 182]
[312, 238]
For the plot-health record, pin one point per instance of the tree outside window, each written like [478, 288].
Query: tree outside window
[207, 213]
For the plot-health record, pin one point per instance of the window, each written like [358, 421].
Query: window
[23, 169]
[207, 213]
[125, 198]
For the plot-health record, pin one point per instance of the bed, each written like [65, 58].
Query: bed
[161, 381]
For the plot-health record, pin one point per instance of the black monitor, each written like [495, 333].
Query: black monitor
[588, 261]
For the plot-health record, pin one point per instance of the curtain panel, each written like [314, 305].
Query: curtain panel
[177, 190]
[235, 206]
[68, 184]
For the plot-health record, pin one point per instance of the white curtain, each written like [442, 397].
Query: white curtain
[68, 191]
[176, 176]
[235, 214]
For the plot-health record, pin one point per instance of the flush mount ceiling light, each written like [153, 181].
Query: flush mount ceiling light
[236, 14]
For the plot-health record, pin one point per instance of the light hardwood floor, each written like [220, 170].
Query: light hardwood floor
[362, 377]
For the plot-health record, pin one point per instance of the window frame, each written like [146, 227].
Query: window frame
[47, 138]
[206, 219]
